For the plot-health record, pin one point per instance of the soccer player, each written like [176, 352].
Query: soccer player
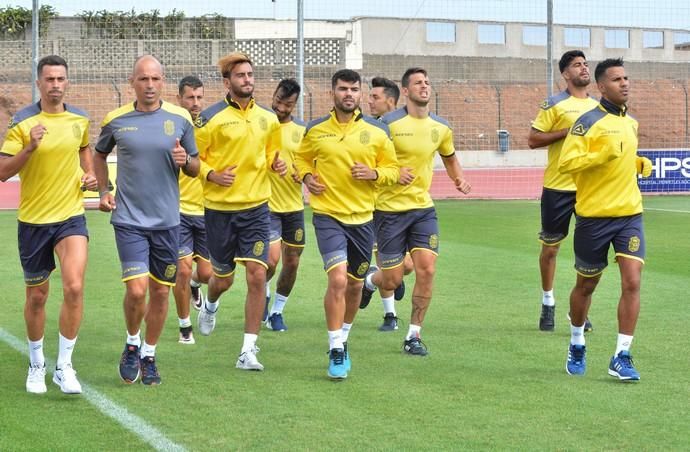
[286, 206]
[154, 139]
[47, 144]
[550, 128]
[239, 141]
[383, 98]
[600, 152]
[341, 159]
[405, 216]
[192, 231]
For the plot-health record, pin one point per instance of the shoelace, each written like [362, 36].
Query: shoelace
[130, 357]
[338, 357]
[149, 367]
[577, 354]
[626, 361]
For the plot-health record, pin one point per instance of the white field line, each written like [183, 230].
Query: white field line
[146, 432]
[667, 210]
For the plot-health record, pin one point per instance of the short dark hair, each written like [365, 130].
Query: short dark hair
[289, 87]
[390, 89]
[51, 60]
[405, 81]
[607, 63]
[569, 56]
[346, 75]
[191, 81]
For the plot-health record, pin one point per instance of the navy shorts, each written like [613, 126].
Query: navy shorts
[593, 236]
[288, 227]
[147, 252]
[192, 237]
[237, 236]
[339, 243]
[557, 207]
[400, 232]
[37, 243]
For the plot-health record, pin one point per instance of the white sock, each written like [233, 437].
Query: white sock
[36, 356]
[346, 331]
[147, 350]
[184, 322]
[547, 298]
[211, 306]
[65, 348]
[249, 342]
[623, 343]
[413, 331]
[335, 339]
[194, 284]
[268, 290]
[577, 334]
[279, 303]
[388, 304]
[134, 339]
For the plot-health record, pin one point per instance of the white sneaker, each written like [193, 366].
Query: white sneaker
[247, 360]
[36, 380]
[196, 302]
[66, 378]
[206, 321]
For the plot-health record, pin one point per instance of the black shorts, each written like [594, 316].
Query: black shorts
[557, 207]
[344, 243]
[288, 227]
[400, 232]
[192, 237]
[151, 252]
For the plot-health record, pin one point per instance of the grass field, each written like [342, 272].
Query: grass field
[491, 381]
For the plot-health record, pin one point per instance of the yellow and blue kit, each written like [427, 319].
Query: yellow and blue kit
[249, 138]
[600, 152]
[51, 178]
[559, 112]
[286, 195]
[416, 141]
[329, 149]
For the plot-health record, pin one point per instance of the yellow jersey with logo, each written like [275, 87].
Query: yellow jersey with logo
[600, 152]
[286, 195]
[50, 180]
[416, 141]
[330, 149]
[559, 112]
[249, 138]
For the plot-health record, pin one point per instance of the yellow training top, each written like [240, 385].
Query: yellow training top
[560, 112]
[286, 195]
[416, 141]
[600, 152]
[330, 149]
[228, 135]
[51, 178]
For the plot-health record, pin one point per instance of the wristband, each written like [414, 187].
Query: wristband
[104, 192]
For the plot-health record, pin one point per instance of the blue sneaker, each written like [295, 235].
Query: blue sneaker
[275, 322]
[348, 363]
[399, 292]
[336, 364]
[577, 363]
[130, 367]
[622, 367]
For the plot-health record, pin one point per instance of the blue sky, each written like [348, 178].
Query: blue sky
[631, 13]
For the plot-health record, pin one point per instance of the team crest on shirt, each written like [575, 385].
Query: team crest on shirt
[170, 271]
[362, 269]
[11, 123]
[169, 127]
[433, 241]
[295, 136]
[199, 121]
[435, 135]
[545, 105]
[76, 130]
[258, 248]
[299, 235]
[263, 123]
[364, 137]
[578, 130]
[634, 244]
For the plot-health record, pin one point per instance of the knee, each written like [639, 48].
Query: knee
[549, 252]
[184, 271]
[36, 297]
[631, 284]
[256, 275]
[337, 283]
[390, 281]
[73, 291]
[204, 273]
[136, 292]
[425, 272]
[221, 284]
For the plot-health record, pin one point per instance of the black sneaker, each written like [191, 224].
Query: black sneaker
[399, 292]
[197, 297]
[149, 371]
[415, 346]
[367, 293]
[546, 322]
[588, 325]
[186, 335]
[390, 322]
[129, 364]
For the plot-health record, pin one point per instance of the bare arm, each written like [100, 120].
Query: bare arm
[539, 139]
[100, 166]
[454, 171]
[88, 180]
[10, 165]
